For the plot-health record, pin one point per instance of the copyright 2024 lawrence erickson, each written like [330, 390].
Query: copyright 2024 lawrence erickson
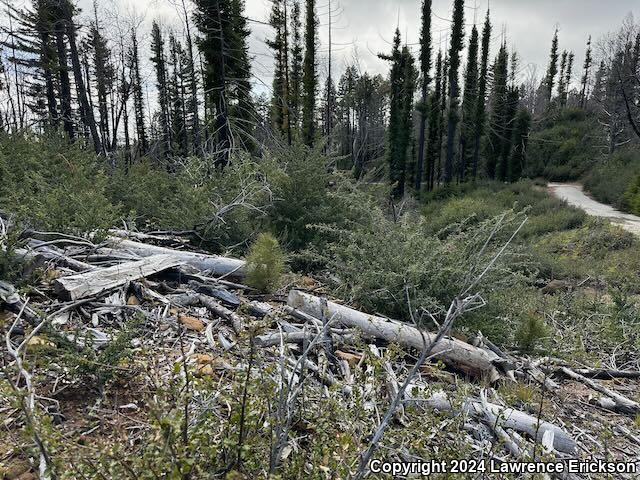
[436, 467]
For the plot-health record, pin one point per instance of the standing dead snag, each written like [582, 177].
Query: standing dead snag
[454, 353]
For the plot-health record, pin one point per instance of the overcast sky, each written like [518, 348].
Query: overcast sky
[363, 28]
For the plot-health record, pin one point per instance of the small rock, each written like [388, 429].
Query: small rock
[202, 358]
[133, 300]
[36, 342]
[555, 286]
[351, 358]
[191, 323]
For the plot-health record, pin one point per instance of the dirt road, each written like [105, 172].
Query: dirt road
[574, 195]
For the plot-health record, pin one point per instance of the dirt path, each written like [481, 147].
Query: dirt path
[574, 195]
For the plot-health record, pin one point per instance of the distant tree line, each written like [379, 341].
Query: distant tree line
[432, 122]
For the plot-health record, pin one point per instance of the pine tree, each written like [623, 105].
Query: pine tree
[585, 77]
[425, 71]
[457, 37]
[309, 75]
[226, 74]
[434, 140]
[66, 12]
[159, 61]
[562, 88]
[402, 80]
[522, 125]
[552, 69]
[567, 78]
[480, 114]
[279, 44]
[176, 97]
[295, 77]
[103, 74]
[499, 107]
[443, 110]
[189, 70]
[469, 104]
[33, 47]
[507, 127]
[138, 99]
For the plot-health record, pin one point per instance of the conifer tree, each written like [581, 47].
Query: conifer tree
[295, 77]
[507, 127]
[279, 45]
[159, 61]
[443, 110]
[136, 91]
[457, 37]
[425, 71]
[402, 82]
[562, 89]
[309, 75]
[226, 73]
[176, 97]
[103, 74]
[480, 114]
[552, 69]
[499, 107]
[469, 104]
[585, 76]
[567, 78]
[434, 140]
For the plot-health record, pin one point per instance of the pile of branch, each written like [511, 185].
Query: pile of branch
[96, 287]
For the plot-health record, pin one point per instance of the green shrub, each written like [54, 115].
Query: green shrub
[614, 180]
[531, 332]
[265, 263]
[564, 148]
[50, 184]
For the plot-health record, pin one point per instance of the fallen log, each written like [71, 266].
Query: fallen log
[454, 353]
[94, 282]
[606, 374]
[506, 418]
[618, 403]
[40, 253]
[214, 264]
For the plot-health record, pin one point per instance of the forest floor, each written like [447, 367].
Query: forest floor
[574, 195]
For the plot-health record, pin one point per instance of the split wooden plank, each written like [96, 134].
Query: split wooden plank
[94, 282]
[457, 354]
[213, 264]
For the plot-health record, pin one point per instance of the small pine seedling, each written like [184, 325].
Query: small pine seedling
[265, 263]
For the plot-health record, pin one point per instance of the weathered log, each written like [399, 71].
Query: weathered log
[456, 354]
[94, 282]
[236, 320]
[214, 264]
[507, 418]
[620, 403]
[606, 374]
[38, 252]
